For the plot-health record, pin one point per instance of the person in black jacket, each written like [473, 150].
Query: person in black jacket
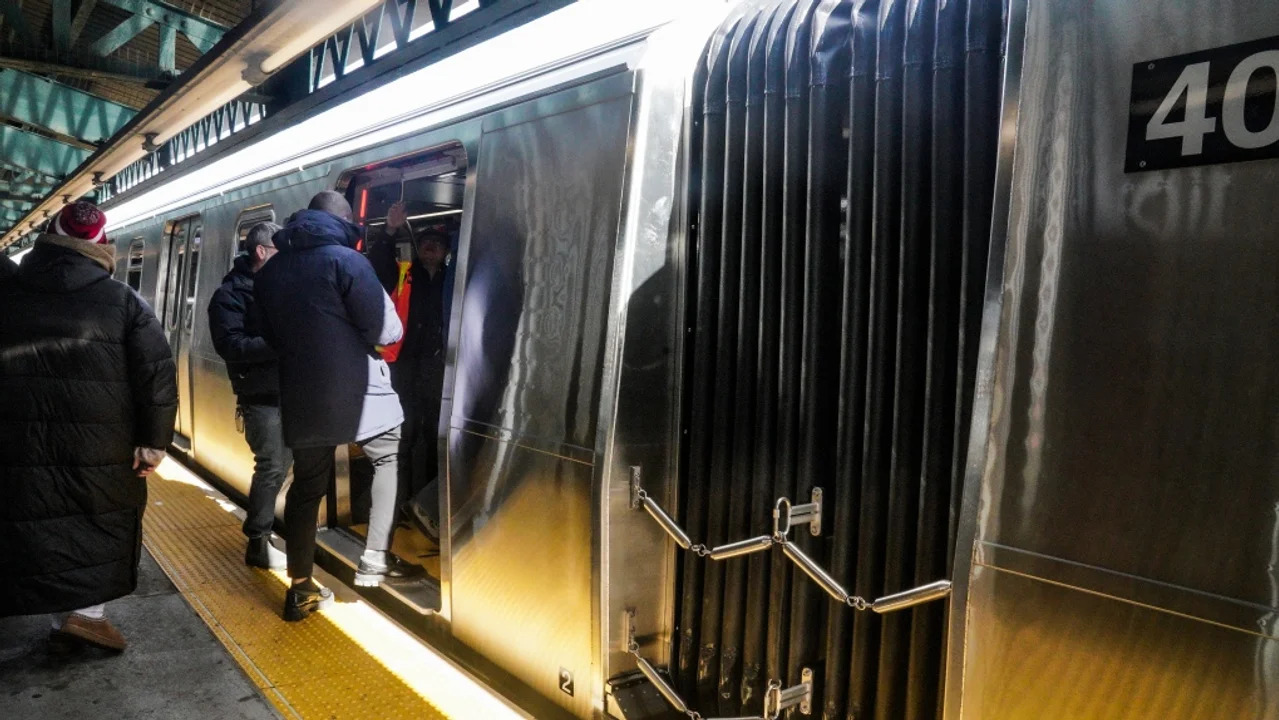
[236, 327]
[325, 313]
[8, 268]
[423, 297]
[90, 398]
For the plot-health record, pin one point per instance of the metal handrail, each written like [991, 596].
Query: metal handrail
[776, 698]
[785, 516]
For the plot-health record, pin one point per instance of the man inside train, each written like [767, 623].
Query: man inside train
[325, 313]
[236, 326]
[422, 292]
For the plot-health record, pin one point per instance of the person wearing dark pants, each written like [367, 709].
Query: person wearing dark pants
[313, 469]
[325, 313]
[236, 326]
[264, 432]
[422, 294]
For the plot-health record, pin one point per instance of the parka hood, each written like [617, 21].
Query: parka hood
[59, 264]
[308, 229]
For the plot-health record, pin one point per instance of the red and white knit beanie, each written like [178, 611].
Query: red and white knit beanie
[81, 219]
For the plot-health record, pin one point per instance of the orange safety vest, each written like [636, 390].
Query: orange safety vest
[400, 298]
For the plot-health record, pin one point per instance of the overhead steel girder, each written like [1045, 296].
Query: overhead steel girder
[38, 153]
[202, 33]
[13, 20]
[272, 36]
[33, 191]
[10, 216]
[82, 65]
[53, 106]
[25, 177]
[21, 206]
[18, 197]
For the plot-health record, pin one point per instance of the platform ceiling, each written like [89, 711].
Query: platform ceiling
[72, 72]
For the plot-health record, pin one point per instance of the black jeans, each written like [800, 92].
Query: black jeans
[312, 472]
[271, 461]
[420, 395]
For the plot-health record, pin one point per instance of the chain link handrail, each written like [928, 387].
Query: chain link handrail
[776, 698]
[786, 515]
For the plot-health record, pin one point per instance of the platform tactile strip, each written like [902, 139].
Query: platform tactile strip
[312, 669]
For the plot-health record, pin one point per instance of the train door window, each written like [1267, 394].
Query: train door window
[133, 268]
[177, 237]
[248, 218]
[193, 271]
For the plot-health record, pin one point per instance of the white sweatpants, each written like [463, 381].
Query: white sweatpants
[93, 612]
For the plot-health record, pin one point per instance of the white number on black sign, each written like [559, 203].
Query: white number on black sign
[1190, 94]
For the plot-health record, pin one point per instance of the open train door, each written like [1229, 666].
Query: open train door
[182, 240]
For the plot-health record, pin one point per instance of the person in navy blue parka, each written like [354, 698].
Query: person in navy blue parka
[325, 313]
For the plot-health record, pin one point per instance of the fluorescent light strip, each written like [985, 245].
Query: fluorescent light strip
[431, 96]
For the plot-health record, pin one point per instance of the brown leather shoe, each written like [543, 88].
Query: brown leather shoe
[95, 632]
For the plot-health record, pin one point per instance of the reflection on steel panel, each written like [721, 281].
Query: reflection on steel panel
[527, 394]
[1132, 446]
[1042, 651]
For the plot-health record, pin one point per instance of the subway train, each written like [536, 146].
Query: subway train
[869, 359]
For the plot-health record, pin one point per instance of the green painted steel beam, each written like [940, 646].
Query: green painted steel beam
[202, 33]
[37, 153]
[22, 206]
[61, 109]
[11, 216]
[168, 50]
[13, 20]
[27, 198]
[25, 176]
[120, 34]
[81, 19]
[60, 22]
[27, 189]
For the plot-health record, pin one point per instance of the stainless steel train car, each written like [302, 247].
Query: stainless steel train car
[855, 358]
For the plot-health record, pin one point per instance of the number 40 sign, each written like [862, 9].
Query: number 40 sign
[1203, 108]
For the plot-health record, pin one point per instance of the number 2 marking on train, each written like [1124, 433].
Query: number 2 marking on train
[1206, 107]
[566, 682]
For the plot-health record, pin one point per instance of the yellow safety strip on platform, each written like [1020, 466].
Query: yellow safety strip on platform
[347, 661]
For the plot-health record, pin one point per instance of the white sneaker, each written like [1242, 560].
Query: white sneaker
[261, 553]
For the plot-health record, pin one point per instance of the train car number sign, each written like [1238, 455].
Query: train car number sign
[1204, 108]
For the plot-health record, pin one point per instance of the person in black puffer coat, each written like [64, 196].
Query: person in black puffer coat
[235, 323]
[90, 398]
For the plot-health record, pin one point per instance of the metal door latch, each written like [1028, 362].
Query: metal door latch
[777, 700]
[786, 515]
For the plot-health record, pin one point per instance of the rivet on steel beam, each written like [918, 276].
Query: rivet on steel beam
[148, 142]
[66, 199]
[97, 179]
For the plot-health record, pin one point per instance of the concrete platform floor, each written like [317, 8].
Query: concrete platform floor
[173, 669]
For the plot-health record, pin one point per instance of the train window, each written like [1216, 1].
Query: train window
[177, 265]
[193, 273]
[248, 218]
[133, 269]
[183, 238]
